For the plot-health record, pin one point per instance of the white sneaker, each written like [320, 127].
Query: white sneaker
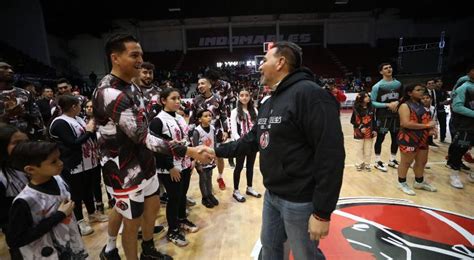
[98, 217]
[359, 166]
[403, 186]
[84, 227]
[237, 196]
[456, 181]
[470, 177]
[380, 166]
[393, 163]
[250, 191]
[424, 186]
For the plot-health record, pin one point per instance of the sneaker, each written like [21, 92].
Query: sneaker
[455, 181]
[100, 208]
[449, 166]
[393, 163]
[403, 186]
[207, 203]
[221, 183]
[424, 186]
[470, 177]
[214, 200]
[190, 202]
[84, 227]
[112, 255]
[368, 167]
[359, 167]
[154, 254]
[433, 144]
[98, 217]
[188, 225]
[468, 157]
[380, 166]
[250, 191]
[177, 238]
[237, 196]
[427, 167]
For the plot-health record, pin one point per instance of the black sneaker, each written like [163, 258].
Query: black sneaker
[157, 230]
[177, 238]
[213, 200]
[188, 225]
[207, 203]
[153, 254]
[113, 255]
[433, 144]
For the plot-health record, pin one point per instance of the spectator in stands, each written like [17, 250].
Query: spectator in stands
[64, 87]
[338, 94]
[45, 103]
[18, 107]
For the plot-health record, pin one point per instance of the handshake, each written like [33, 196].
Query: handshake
[202, 154]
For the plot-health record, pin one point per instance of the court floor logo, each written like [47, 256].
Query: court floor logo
[384, 228]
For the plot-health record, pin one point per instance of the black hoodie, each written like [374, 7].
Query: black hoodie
[299, 136]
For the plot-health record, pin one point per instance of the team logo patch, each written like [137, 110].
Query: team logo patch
[121, 205]
[264, 139]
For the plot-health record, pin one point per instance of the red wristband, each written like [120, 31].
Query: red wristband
[320, 219]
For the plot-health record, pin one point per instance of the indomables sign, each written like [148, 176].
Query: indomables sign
[253, 36]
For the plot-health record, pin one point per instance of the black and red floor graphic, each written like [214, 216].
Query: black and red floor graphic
[383, 228]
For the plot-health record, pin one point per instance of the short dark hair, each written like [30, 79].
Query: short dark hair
[148, 66]
[291, 51]
[46, 87]
[211, 75]
[202, 111]
[65, 102]
[116, 43]
[434, 80]
[62, 80]
[31, 153]
[380, 67]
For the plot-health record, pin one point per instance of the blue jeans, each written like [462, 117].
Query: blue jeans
[284, 220]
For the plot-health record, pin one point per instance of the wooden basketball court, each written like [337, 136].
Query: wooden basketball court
[231, 230]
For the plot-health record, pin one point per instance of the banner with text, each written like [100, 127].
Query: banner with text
[253, 36]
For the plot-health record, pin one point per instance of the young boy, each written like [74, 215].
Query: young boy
[204, 134]
[41, 221]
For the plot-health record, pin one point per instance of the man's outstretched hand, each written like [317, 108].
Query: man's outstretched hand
[202, 154]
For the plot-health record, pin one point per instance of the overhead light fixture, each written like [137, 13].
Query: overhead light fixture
[174, 9]
[342, 2]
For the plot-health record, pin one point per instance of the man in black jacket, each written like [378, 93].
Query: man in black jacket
[299, 136]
